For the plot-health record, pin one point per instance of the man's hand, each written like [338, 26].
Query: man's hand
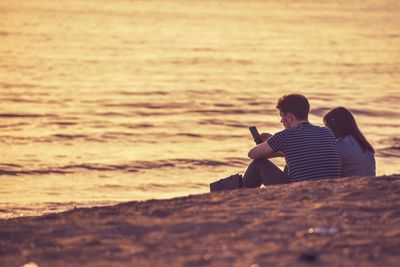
[265, 136]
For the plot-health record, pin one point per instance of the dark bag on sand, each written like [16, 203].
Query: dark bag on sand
[230, 183]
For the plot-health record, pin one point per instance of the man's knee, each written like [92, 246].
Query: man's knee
[262, 163]
[267, 173]
[251, 178]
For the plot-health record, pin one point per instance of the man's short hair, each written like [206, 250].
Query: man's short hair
[296, 104]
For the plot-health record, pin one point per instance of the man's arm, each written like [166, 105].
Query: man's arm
[262, 150]
[276, 155]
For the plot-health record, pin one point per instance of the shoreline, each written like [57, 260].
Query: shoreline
[345, 221]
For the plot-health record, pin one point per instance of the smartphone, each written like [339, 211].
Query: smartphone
[256, 135]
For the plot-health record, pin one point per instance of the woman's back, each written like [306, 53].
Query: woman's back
[354, 160]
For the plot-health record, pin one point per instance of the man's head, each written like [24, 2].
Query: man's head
[293, 109]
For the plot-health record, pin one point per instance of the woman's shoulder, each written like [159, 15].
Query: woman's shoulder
[347, 143]
[348, 139]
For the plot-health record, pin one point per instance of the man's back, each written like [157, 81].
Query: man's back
[310, 151]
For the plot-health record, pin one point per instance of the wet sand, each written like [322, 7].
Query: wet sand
[341, 222]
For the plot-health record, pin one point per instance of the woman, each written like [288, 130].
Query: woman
[355, 152]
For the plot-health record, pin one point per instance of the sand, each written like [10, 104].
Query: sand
[341, 222]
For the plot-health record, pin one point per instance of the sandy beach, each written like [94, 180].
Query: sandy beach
[136, 106]
[341, 222]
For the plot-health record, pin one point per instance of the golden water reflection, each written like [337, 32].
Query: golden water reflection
[126, 83]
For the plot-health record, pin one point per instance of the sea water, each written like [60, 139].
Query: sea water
[110, 101]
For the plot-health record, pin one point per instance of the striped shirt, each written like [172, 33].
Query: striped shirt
[310, 151]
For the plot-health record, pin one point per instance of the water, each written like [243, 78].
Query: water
[108, 101]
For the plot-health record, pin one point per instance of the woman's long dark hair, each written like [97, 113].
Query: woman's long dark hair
[342, 123]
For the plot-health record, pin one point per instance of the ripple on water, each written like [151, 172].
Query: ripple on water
[376, 113]
[27, 115]
[138, 93]
[219, 122]
[15, 169]
[167, 106]
[391, 149]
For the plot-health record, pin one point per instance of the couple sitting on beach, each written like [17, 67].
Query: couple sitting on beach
[311, 152]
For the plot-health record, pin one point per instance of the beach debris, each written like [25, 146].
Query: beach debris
[159, 213]
[207, 257]
[322, 230]
[308, 256]
[30, 264]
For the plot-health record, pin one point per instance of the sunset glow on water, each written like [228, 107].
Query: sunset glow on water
[110, 101]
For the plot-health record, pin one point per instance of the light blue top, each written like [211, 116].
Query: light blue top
[354, 160]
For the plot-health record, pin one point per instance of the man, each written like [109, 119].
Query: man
[310, 151]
